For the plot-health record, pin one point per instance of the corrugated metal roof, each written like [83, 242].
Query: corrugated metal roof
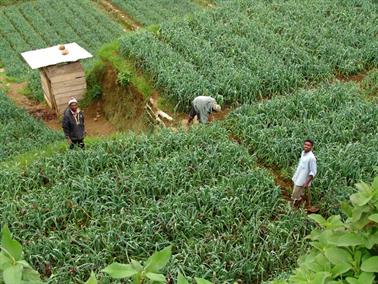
[53, 55]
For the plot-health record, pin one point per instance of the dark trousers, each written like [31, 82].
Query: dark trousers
[193, 113]
[77, 143]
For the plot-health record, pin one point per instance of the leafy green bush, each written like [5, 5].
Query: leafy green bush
[123, 78]
[344, 250]
[13, 268]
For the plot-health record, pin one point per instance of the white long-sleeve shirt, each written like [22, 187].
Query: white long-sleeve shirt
[306, 167]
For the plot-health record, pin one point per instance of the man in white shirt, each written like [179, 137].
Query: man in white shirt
[305, 173]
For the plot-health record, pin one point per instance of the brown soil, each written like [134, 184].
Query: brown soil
[236, 139]
[286, 186]
[181, 119]
[95, 123]
[120, 109]
[355, 78]
[222, 114]
[284, 183]
[124, 107]
[119, 15]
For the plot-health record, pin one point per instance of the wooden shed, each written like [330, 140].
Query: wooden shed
[62, 75]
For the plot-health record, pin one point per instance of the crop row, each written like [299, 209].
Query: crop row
[149, 12]
[126, 197]
[246, 50]
[20, 132]
[342, 124]
[43, 23]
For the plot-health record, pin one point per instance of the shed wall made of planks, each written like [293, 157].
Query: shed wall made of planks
[61, 82]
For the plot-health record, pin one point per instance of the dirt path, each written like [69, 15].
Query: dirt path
[181, 119]
[285, 184]
[95, 123]
[119, 15]
[355, 78]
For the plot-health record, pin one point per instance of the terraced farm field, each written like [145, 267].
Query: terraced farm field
[20, 132]
[218, 193]
[43, 23]
[147, 12]
[343, 124]
[196, 190]
[248, 50]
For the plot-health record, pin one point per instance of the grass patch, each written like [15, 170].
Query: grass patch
[109, 53]
[24, 160]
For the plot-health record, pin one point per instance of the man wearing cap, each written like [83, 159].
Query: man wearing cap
[202, 106]
[73, 124]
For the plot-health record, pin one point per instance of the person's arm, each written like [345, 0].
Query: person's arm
[308, 180]
[312, 172]
[66, 128]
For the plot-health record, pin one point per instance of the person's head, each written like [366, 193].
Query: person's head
[308, 145]
[217, 107]
[72, 104]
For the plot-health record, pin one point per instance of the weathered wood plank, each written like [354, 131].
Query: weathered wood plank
[63, 84]
[62, 69]
[67, 77]
[65, 98]
[65, 90]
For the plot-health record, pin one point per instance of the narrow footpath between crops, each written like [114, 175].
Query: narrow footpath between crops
[354, 78]
[283, 183]
[119, 15]
[369, 85]
[181, 119]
